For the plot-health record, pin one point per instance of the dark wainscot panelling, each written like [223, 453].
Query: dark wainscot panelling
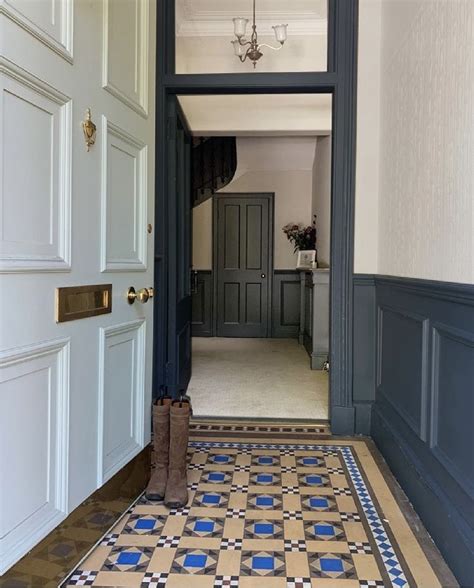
[423, 415]
[202, 323]
[285, 306]
[364, 351]
[286, 303]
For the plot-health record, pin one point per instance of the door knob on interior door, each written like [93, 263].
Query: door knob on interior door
[263, 276]
[143, 295]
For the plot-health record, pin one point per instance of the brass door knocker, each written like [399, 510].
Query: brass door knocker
[89, 129]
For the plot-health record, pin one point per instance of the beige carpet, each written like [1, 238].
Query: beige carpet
[260, 378]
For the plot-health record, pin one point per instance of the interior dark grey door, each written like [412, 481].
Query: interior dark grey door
[243, 228]
[178, 367]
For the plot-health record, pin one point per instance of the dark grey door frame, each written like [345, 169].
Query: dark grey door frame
[340, 80]
[271, 228]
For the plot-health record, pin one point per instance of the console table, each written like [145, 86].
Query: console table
[314, 315]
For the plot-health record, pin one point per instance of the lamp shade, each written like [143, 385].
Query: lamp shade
[240, 26]
[238, 49]
[280, 32]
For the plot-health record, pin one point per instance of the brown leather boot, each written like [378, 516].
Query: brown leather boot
[161, 443]
[177, 487]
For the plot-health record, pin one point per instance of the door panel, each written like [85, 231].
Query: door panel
[178, 372]
[243, 260]
[72, 217]
[124, 200]
[122, 363]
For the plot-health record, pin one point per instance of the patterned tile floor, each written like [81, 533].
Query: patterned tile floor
[270, 513]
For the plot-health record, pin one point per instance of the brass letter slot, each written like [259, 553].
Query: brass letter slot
[79, 302]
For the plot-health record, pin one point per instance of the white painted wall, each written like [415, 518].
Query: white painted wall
[368, 130]
[321, 201]
[281, 165]
[423, 205]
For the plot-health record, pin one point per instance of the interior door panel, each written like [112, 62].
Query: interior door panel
[243, 228]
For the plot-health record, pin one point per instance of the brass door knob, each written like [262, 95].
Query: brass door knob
[143, 295]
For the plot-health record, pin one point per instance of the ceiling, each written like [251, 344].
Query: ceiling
[214, 17]
[258, 115]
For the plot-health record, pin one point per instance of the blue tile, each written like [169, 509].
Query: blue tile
[318, 502]
[221, 458]
[324, 529]
[264, 501]
[128, 558]
[216, 477]
[263, 529]
[329, 564]
[264, 478]
[195, 561]
[313, 480]
[144, 524]
[204, 526]
[262, 563]
[265, 460]
[211, 499]
[309, 461]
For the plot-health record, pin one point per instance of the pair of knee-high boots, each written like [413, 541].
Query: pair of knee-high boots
[170, 442]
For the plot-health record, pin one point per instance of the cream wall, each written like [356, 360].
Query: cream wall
[368, 130]
[293, 200]
[426, 221]
[202, 236]
[321, 202]
[261, 168]
[422, 202]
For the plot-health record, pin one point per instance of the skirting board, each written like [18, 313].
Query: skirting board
[435, 511]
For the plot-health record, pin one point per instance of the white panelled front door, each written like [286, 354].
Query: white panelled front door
[75, 397]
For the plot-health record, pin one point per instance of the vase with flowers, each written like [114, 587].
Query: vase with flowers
[303, 238]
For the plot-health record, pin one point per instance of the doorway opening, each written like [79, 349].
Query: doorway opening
[337, 78]
[261, 173]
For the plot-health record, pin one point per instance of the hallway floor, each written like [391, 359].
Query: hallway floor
[269, 511]
[259, 378]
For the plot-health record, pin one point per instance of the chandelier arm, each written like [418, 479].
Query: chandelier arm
[270, 47]
[245, 43]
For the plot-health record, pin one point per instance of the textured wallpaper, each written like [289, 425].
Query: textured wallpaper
[426, 186]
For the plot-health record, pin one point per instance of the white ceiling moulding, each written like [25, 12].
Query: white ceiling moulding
[197, 18]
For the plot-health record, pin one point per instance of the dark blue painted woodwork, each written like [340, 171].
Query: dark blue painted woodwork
[178, 366]
[424, 406]
[340, 81]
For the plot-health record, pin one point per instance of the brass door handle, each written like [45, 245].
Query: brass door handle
[143, 295]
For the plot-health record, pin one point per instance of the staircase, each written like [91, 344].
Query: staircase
[214, 162]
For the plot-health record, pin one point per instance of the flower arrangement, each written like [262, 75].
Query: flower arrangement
[303, 238]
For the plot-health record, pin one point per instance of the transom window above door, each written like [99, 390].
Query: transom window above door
[242, 36]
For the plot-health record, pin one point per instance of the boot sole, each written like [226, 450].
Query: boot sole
[154, 497]
[175, 504]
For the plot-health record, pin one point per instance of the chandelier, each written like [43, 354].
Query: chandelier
[253, 46]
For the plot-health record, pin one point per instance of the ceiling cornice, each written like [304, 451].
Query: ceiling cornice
[218, 23]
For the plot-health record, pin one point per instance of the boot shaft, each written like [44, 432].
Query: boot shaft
[180, 413]
[161, 431]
